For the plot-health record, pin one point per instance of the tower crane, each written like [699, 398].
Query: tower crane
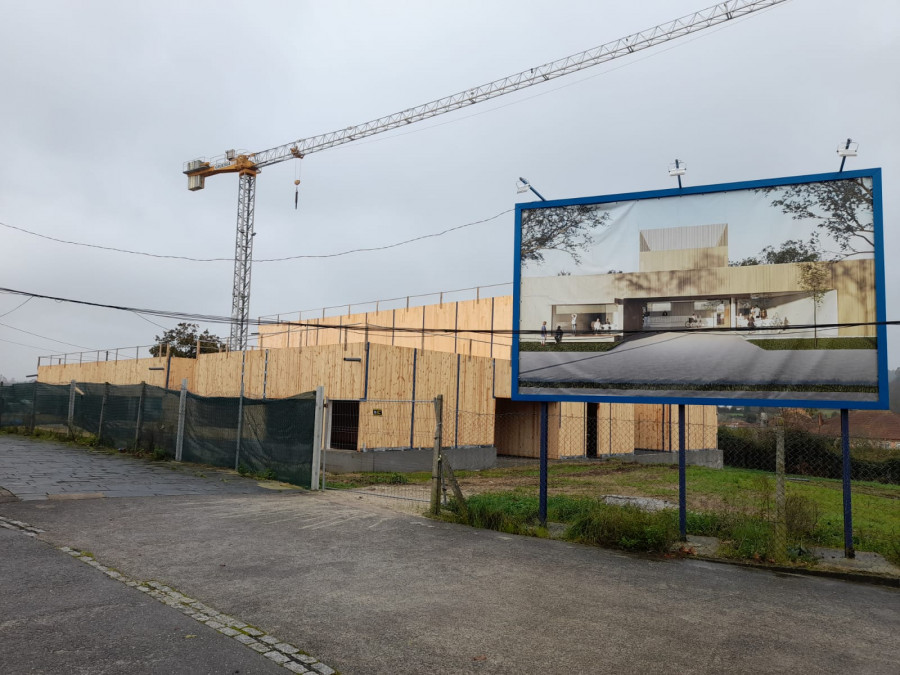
[248, 165]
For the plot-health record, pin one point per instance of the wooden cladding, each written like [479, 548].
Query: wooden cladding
[471, 327]
[385, 378]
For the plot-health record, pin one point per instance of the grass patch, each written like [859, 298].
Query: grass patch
[266, 474]
[625, 527]
[349, 481]
[778, 344]
[568, 346]
[736, 505]
[674, 386]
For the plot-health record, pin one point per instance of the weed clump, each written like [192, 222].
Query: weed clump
[625, 527]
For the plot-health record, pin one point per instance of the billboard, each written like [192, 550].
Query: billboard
[766, 293]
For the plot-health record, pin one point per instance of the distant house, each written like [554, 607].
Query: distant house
[867, 427]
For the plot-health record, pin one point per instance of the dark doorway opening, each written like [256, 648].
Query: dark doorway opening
[590, 431]
[344, 425]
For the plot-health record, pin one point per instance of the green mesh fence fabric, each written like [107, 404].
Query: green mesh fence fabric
[210, 430]
[276, 436]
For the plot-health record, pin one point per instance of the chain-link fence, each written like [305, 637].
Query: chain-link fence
[769, 489]
[266, 438]
[381, 448]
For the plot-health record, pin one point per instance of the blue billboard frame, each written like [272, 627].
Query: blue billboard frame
[882, 403]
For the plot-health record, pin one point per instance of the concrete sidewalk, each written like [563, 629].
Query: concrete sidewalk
[58, 615]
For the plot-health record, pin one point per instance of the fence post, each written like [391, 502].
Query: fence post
[326, 441]
[70, 418]
[34, 398]
[780, 523]
[140, 416]
[168, 366]
[436, 455]
[848, 504]
[179, 438]
[545, 452]
[317, 456]
[102, 412]
[240, 422]
[682, 476]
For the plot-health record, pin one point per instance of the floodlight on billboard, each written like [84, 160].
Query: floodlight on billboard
[767, 292]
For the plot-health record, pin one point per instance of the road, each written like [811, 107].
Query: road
[369, 590]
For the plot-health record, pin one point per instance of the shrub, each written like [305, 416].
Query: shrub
[625, 527]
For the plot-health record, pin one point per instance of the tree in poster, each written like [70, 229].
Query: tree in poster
[814, 279]
[790, 251]
[843, 209]
[566, 229]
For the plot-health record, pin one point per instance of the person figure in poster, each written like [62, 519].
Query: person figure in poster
[543, 334]
[574, 323]
[558, 335]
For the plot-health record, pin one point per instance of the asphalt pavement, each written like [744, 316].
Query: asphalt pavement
[707, 359]
[368, 590]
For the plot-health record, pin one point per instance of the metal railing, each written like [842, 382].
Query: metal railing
[405, 301]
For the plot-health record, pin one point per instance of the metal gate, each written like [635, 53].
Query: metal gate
[380, 448]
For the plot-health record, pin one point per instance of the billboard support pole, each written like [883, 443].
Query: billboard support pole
[682, 481]
[542, 508]
[848, 510]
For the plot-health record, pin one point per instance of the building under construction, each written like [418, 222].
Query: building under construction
[380, 371]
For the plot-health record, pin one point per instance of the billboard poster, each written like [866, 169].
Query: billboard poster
[767, 292]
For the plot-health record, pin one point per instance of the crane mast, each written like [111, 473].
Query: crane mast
[248, 165]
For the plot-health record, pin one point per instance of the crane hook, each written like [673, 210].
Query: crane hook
[296, 192]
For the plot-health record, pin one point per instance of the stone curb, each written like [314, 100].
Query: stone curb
[273, 648]
[860, 577]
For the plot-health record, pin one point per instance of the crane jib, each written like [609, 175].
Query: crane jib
[248, 165]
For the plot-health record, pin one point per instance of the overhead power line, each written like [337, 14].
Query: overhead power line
[21, 304]
[212, 318]
[167, 256]
[43, 337]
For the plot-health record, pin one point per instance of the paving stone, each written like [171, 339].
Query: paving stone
[305, 658]
[277, 657]
[295, 667]
[225, 630]
[286, 648]
[245, 639]
[215, 624]
[322, 668]
[250, 630]
[269, 639]
[260, 647]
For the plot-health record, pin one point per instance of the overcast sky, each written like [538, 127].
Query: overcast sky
[103, 102]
